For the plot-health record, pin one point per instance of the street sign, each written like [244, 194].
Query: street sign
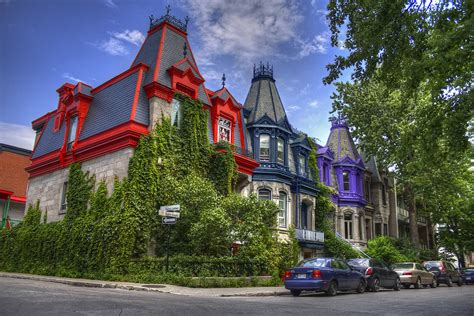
[170, 208]
[169, 220]
[169, 214]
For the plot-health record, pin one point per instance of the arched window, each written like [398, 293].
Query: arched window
[264, 147]
[283, 204]
[325, 174]
[348, 225]
[71, 134]
[281, 151]
[345, 180]
[176, 113]
[224, 126]
[264, 194]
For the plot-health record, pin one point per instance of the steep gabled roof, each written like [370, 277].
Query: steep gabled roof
[371, 164]
[263, 98]
[163, 48]
[341, 143]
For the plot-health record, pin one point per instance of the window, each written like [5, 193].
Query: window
[325, 174]
[348, 225]
[176, 113]
[345, 180]
[384, 198]
[281, 151]
[71, 135]
[378, 229]
[264, 194]
[302, 165]
[283, 204]
[264, 147]
[224, 129]
[367, 190]
[385, 229]
[64, 198]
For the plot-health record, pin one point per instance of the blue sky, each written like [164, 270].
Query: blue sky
[45, 43]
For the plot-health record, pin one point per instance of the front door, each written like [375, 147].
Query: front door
[304, 216]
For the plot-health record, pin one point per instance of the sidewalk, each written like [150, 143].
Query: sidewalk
[162, 288]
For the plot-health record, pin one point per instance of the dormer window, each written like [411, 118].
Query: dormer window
[224, 129]
[345, 180]
[71, 134]
[281, 151]
[264, 147]
[176, 113]
[302, 163]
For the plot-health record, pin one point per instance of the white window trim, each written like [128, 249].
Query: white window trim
[221, 123]
[284, 210]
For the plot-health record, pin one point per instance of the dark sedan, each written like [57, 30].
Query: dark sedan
[468, 276]
[377, 273]
[327, 275]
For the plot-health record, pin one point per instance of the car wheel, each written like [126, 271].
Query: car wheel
[459, 282]
[397, 284]
[295, 292]
[406, 286]
[361, 287]
[376, 285]
[418, 284]
[450, 282]
[332, 289]
[434, 283]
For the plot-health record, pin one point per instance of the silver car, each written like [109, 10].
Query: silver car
[415, 274]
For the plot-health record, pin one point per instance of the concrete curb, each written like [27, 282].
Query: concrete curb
[161, 288]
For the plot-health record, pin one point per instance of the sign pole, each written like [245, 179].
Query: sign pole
[168, 249]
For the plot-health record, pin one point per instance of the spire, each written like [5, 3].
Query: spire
[340, 140]
[183, 26]
[223, 80]
[263, 98]
[338, 121]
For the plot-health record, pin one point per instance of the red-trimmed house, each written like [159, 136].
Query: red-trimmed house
[100, 126]
[13, 183]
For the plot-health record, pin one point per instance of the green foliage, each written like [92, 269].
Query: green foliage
[335, 247]
[78, 197]
[223, 169]
[383, 248]
[288, 252]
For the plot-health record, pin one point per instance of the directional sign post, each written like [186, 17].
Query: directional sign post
[170, 215]
[169, 220]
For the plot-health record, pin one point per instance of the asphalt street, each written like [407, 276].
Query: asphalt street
[27, 297]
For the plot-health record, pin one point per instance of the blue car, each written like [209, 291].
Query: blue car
[468, 276]
[327, 275]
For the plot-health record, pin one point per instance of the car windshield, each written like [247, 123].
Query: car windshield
[313, 263]
[431, 264]
[403, 266]
[358, 262]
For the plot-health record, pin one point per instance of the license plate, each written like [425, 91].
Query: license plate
[468, 278]
[301, 276]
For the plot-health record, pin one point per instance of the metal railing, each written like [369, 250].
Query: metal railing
[403, 215]
[309, 235]
[339, 236]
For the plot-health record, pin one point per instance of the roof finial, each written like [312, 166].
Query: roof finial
[185, 49]
[168, 9]
[223, 80]
[186, 20]
[152, 19]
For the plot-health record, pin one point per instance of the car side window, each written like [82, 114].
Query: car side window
[418, 266]
[344, 265]
[335, 264]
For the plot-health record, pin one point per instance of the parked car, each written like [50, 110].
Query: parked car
[444, 272]
[323, 275]
[415, 274]
[377, 274]
[468, 276]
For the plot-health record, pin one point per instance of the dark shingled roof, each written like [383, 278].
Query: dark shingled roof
[341, 144]
[371, 165]
[172, 52]
[263, 99]
[112, 106]
[49, 140]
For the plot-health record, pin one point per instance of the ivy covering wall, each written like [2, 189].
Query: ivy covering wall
[106, 233]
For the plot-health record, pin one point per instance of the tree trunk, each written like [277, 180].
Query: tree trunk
[415, 238]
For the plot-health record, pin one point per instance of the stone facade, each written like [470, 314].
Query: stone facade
[48, 188]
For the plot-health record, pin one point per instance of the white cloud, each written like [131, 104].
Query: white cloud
[17, 135]
[68, 76]
[292, 108]
[110, 4]
[247, 32]
[314, 104]
[114, 47]
[319, 44]
[134, 37]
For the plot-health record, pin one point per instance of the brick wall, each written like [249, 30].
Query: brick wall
[13, 176]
